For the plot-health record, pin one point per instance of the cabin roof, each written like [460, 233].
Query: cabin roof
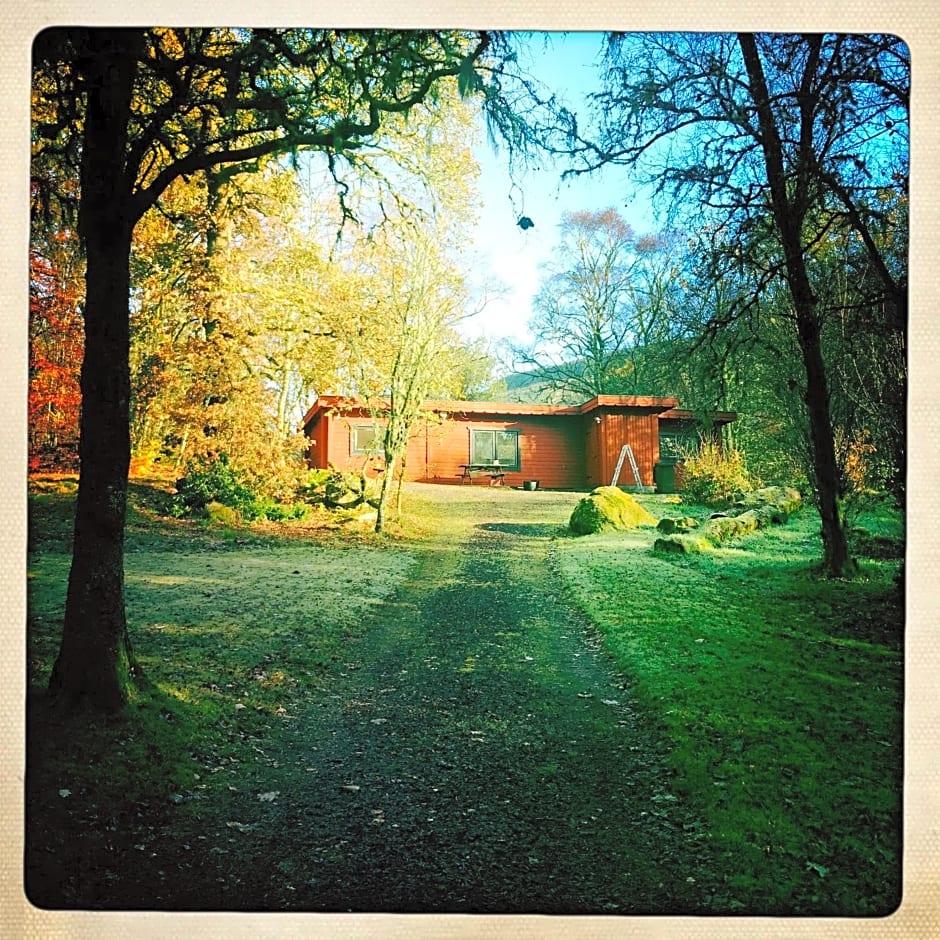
[653, 404]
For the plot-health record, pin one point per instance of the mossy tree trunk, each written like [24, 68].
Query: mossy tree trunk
[381, 512]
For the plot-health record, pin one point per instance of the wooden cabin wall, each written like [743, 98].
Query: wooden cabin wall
[550, 450]
[561, 452]
[640, 431]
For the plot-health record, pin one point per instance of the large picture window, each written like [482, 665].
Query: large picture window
[495, 447]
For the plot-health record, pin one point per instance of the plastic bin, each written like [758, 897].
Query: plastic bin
[664, 476]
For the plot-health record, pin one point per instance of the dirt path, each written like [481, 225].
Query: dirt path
[477, 754]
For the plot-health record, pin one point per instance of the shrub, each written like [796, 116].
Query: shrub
[312, 488]
[338, 489]
[715, 475]
[207, 480]
[210, 482]
[280, 512]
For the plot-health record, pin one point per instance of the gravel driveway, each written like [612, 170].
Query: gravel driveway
[476, 754]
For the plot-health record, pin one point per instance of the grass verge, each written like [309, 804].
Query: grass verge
[781, 697]
[236, 630]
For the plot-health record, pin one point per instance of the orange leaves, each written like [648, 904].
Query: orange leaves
[55, 356]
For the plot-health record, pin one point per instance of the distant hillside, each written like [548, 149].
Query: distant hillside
[535, 386]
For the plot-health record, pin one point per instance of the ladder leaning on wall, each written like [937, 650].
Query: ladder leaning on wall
[625, 452]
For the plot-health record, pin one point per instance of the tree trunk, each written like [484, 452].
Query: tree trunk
[95, 662]
[825, 468]
[391, 463]
[401, 483]
[790, 202]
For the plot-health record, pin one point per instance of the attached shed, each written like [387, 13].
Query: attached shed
[560, 446]
[681, 432]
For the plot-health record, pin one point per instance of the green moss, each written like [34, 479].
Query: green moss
[223, 514]
[608, 508]
[668, 526]
[682, 544]
[722, 529]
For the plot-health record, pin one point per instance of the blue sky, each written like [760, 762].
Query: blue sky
[509, 258]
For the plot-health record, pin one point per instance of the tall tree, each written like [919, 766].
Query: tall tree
[129, 111]
[600, 301]
[779, 139]
[423, 301]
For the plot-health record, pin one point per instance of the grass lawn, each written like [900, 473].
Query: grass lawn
[780, 695]
[777, 696]
[235, 629]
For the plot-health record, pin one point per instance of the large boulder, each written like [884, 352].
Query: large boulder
[608, 508]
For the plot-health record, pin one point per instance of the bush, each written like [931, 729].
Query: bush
[217, 482]
[338, 489]
[279, 512]
[715, 475]
[208, 480]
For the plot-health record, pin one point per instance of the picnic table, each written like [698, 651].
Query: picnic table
[495, 472]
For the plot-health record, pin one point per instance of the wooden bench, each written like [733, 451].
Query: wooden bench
[470, 471]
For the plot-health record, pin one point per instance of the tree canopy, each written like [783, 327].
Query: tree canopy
[778, 145]
[606, 299]
[119, 115]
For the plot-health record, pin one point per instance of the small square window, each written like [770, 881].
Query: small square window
[364, 438]
[674, 445]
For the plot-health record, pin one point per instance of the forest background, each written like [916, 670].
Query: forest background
[256, 286]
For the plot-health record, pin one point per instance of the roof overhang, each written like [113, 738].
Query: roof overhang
[715, 417]
[648, 403]
[666, 408]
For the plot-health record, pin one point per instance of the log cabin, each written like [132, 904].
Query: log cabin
[570, 447]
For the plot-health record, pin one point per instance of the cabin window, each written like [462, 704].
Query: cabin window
[495, 447]
[675, 444]
[364, 438]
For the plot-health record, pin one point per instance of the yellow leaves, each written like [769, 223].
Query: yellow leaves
[167, 43]
[853, 453]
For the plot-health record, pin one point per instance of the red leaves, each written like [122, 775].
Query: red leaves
[56, 346]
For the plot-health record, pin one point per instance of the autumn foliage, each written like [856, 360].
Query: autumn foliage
[56, 341]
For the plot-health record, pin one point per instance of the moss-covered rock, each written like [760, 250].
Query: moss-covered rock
[608, 508]
[668, 526]
[218, 512]
[785, 499]
[682, 544]
[721, 529]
